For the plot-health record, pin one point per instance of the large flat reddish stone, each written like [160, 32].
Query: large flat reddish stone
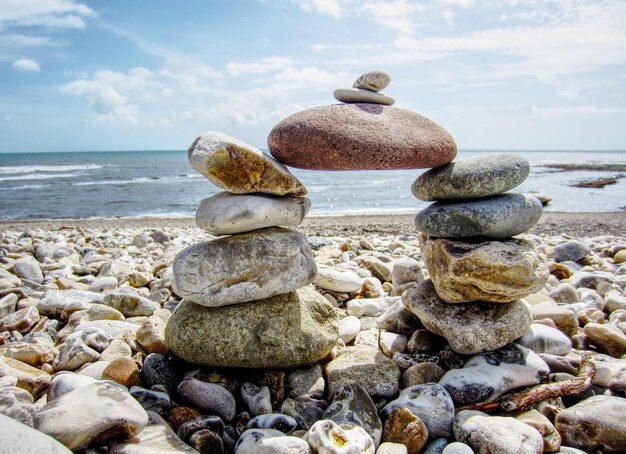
[360, 137]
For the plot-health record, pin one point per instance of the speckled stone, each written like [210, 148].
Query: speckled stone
[468, 327]
[33, 380]
[360, 137]
[210, 398]
[493, 271]
[597, 423]
[244, 267]
[499, 216]
[326, 436]
[287, 330]
[240, 168]
[16, 437]
[375, 80]
[479, 176]
[404, 427]
[270, 441]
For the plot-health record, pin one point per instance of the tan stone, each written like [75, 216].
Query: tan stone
[29, 378]
[124, 371]
[551, 438]
[608, 338]
[620, 257]
[151, 335]
[31, 354]
[493, 271]
[404, 427]
[563, 318]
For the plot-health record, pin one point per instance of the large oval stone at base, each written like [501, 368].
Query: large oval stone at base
[287, 330]
[360, 137]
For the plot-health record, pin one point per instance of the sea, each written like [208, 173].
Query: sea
[162, 184]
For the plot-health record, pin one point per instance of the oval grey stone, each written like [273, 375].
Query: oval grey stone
[499, 216]
[376, 80]
[226, 213]
[287, 330]
[479, 176]
[245, 267]
[351, 95]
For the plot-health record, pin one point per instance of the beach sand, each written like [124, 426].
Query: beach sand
[551, 223]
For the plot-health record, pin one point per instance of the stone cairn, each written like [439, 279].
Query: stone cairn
[247, 302]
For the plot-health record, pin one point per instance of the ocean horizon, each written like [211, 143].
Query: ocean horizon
[159, 183]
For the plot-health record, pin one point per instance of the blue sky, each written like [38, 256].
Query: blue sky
[153, 74]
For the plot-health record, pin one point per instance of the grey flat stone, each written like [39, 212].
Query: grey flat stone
[479, 176]
[352, 95]
[499, 216]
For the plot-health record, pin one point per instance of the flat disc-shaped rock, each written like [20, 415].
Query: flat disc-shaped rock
[360, 137]
[245, 267]
[287, 330]
[500, 216]
[226, 213]
[468, 327]
[479, 176]
[494, 271]
[240, 168]
[352, 95]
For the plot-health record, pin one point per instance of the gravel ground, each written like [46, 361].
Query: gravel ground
[573, 224]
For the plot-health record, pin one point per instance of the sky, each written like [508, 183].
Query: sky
[154, 74]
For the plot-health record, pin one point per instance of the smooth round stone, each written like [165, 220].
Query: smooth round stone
[609, 338]
[493, 271]
[28, 269]
[33, 380]
[240, 168]
[404, 427]
[337, 279]
[545, 339]
[496, 434]
[210, 398]
[499, 216]
[376, 80]
[480, 176]
[270, 441]
[158, 369]
[431, 403]
[472, 327]
[573, 251]
[54, 302]
[457, 448]
[257, 398]
[349, 327]
[246, 267]
[326, 436]
[305, 410]
[360, 137]
[64, 383]
[551, 438]
[277, 421]
[287, 330]
[307, 381]
[16, 437]
[487, 376]
[595, 424]
[210, 422]
[92, 415]
[226, 213]
[352, 95]
[353, 405]
[18, 404]
[156, 401]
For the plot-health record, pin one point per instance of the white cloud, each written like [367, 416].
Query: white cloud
[49, 13]
[330, 7]
[395, 15]
[264, 65]
[23, 64]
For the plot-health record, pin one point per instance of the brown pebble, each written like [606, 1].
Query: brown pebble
[180, 415]
[589, 315]
[207, 442]
[404, 427]
[124, 371]
[421, 373]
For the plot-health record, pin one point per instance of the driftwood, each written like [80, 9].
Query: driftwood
[522, 400]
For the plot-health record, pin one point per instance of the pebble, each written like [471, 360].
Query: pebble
[151, 400]
[349, 327]
[208, 441]
[376, 80]
[404, 427]
[157, 437]
[243, 268]
[124, 371]
[130, 305]
[54, 302]
[226, 213]
[305, 410]
[63, 383]
[28, 269]
[551, 438]
[597, 423]
[491, 271]
[116, 349]
[421, 373]
[103, 284]
[277, 421]
[544, 339]
[391, 343]
[30, 378]
[487, 376]
[406, 273]
[210, 398]
[380, 137]
[496, 434]
[608, 338]
[18, 437]
[240, 168]
[241, 335]
[22, 320]
[257, 398]
[573, 250]
[92, 415]
[564, 319]
[18, 404]
[8, 304]
[479, 176]
[431, 403]
[151, 335]
[206, 422]
[158, 369]
[364, 365]
[500, 216]
[307, 381]
[353, 405]
[391, 448]
[329, 437]
[457, 448]
[358, 95]
[337, 280]
[469, 327]
[270, 441]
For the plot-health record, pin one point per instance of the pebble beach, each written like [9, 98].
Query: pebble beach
[476, 325]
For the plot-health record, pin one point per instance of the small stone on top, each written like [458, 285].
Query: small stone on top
[376, 80]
